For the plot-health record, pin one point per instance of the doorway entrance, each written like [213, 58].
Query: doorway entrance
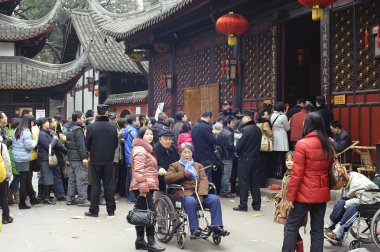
[301, 60]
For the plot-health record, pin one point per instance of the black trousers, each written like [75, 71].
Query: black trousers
[122, 180]
[26, 188]
[141, 204]
[103, 173]
[234, 174]
[115, 182]
[4, 199]
[248, 176]
[295, 219]
[266, 170]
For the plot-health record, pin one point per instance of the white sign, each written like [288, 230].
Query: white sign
[138, 110]
[40, 113]
[160, 108]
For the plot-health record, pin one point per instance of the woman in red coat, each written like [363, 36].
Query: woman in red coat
[144, 182]
[308, 188]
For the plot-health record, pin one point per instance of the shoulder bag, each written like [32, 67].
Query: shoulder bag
[140, 217]
[53, 161]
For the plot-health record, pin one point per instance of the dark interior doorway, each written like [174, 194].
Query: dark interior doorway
[301, 60]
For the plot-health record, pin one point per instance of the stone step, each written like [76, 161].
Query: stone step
[270, 194]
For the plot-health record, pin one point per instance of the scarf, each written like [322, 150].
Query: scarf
[189, 167]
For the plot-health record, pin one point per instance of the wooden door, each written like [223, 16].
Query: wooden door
[199, 99]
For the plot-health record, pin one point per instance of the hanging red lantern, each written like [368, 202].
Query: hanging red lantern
[317, 7]
[232, 24]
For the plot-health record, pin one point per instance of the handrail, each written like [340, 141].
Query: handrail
[348, 148]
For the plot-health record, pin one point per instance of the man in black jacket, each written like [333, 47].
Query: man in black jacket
[166, 154]
[247, 149]
[204, 142]
[341, 140]
[225, 142]
[324, 112]
[101, 142]
[226, 110]
[77, 155]
[161, 124]
[300, 105]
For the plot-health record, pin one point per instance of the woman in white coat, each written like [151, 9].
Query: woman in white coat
[280, 126]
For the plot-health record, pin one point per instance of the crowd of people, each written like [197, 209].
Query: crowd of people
[134, 157]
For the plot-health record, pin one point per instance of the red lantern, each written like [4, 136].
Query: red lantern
[232, 24]
[317, 7]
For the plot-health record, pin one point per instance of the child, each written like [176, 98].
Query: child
[282, 205]
[184, 136]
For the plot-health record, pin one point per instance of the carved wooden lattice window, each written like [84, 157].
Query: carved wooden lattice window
[368, 67]
[183, 76]
[250, 74]
[265, 84]
[222, 52]
[202, 67]
[160, 93]
[348, 73]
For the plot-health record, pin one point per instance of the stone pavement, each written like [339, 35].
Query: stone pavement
[63, 228]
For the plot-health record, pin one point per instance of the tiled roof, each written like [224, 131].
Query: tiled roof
[20, 73]
[127, 98]
[104, 56]
[14, 29]
[121, 26]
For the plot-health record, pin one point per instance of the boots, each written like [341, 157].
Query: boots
[152, 245]
[17, 197]
[46, 195]
[140, 242]
[11, 200]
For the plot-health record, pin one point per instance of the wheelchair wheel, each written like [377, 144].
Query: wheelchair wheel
[364, 235]
[375, 229]
[165, 219]
[216, 239]
[354, 244]
[181, 240]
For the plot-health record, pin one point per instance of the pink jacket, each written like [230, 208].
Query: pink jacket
[184, 138]
[144, 167]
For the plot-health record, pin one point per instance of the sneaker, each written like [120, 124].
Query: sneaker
[71, 202]
[331, 237]
[85, 203]
[228, 196]
[196, 232]
[7, 220]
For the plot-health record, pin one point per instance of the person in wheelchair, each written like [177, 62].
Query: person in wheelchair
[346, 210]
[185, 172]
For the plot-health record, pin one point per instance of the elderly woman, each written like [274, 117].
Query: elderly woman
[185, 172]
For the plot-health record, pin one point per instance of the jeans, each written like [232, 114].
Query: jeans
[15, 184]
[130, 195]
[26, 188]
[248, 176]
[78, 181]
[4, 199]
[211, 201]
[295, 219]
[59, 191]
[104, 173]
[227, 169]
[346, 217]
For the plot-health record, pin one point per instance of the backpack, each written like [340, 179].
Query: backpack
[3, 173]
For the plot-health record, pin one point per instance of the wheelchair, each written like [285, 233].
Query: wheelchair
[366, 230]
[172, 220]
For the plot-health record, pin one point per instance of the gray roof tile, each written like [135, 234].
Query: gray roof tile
[121, 26]
[20, 73]
[103, 56]
[14, 29]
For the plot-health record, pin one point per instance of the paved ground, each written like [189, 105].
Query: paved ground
[63, 228]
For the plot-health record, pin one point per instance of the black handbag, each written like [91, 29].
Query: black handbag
[140, 217]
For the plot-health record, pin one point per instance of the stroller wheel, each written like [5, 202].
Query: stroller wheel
[216, 239]
[354, 244]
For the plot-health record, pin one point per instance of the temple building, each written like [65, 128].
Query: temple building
[284, 55]
[111, 77]
[26, 83]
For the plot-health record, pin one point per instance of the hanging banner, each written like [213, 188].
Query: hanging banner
[160, 108]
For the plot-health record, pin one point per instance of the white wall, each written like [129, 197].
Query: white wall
[7, 49]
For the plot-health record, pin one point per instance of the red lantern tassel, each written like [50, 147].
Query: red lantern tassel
[366, 39]
[378, 37]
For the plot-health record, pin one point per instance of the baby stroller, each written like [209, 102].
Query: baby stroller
[172, 220]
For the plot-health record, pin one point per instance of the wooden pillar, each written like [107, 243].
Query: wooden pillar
[237, 53]
[325, 56]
